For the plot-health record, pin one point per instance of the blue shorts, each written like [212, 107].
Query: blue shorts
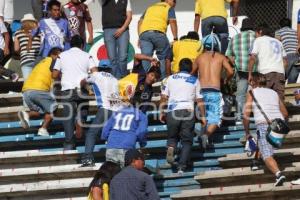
[265, 148]
[213, 106]
[40, 101]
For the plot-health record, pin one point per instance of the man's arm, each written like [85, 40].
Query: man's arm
[283, 110]
[119, 31]
[235, 6]
[174, 29]
[252, 61]
[246, 114]
[228, 68]
[6, 40]
[195, 66]
[90, 29]
[55, 74]
[197, 22]
[16, 45]
[162, 106]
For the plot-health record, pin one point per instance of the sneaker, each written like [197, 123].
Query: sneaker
[279, 180]
[88, 163]
[14, 77]
[238, 122]
[296, 182]
[24, 118]
[170, 155]
[43, 132]
[180, 171]
[254, 165]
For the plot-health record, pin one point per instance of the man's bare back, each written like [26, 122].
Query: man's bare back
[209, 67]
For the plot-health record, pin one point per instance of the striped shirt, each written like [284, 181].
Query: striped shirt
[239, 48]
[288, 37]
[31, 55]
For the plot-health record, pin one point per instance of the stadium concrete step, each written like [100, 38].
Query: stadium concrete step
[245, 192]
[243, 160]
[244, 176]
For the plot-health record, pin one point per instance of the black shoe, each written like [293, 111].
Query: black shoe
[279, 180]
[88, 163]
[254, 165]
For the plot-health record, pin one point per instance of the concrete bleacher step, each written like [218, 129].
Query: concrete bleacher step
[243, 176]
[242, 160]
[245, 192]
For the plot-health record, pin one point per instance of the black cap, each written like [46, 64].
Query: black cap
[247, 24]
[131, 155]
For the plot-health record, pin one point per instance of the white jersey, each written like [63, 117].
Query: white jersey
[106, 89]
[270, 54]
[182, 89]
[269, 101]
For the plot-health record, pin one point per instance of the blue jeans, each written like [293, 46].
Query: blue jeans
[40, 101]
[94, 131]
[117, 50]
[151, 41]
[27, 69]
[291, 72]
[220, 28]
[242, 87]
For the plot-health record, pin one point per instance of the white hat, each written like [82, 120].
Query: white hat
[28, 17]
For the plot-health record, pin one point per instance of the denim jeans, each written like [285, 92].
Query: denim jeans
[75, 107]
[117, 50]
[180, 124]
[94, 131]
[27, 69]
[242, 87]
[292, 72]
[151, 41]
[220, 28]
[40, 101]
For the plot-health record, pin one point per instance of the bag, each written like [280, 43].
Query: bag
[250, 146]
[277, 129]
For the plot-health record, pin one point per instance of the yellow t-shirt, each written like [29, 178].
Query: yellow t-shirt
[186, 48]
[127, 86]
[156, 18]
[208, 8]
[40, 77]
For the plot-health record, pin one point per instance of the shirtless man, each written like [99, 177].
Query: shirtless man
[209, 66]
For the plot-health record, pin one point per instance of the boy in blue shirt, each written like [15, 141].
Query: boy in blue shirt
[124, 128]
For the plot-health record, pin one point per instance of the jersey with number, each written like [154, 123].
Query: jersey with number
[270, 54]
[106, 90]
[124, 128]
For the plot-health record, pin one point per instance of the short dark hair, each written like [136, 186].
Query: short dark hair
[285, 22]
[53, 3]
[193, 35]
[55, 51]
[264, 28]
[77, 41]
[186, 65]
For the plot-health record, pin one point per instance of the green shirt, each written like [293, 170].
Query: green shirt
[239, 48]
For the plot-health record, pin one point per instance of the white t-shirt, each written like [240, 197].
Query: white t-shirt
[128, 5]
[74, 65]
[7, 10]
[270, 54]
[2, 30]
[269, 101]
[182, 89]
[106, 89]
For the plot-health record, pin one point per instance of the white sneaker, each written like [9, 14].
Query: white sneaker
[43, 132]
[296, 182]
[24, 119]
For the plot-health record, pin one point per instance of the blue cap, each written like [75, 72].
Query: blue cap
[211, 42]
[105, 63]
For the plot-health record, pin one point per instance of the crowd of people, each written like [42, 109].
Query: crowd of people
[50, 44]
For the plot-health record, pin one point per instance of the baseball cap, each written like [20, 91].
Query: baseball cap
[131, 155]
[105, 63]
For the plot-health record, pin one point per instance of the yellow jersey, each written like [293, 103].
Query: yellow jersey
[156, 18]
[186, 48]
[40, 77]
[127, 86]
[208, 8]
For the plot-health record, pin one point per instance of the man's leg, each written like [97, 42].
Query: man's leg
[267, 152]
[173, 126]
[242, 87]
[111, 47]
[221, 29]
[122, 43]
[206, 26]
[69, 113]
[147, 48]
[94, 132]
[291, 72]
[186, 135]
[279, 84]
[162, 47]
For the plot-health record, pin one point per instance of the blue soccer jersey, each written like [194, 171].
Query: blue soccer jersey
[125, 127]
